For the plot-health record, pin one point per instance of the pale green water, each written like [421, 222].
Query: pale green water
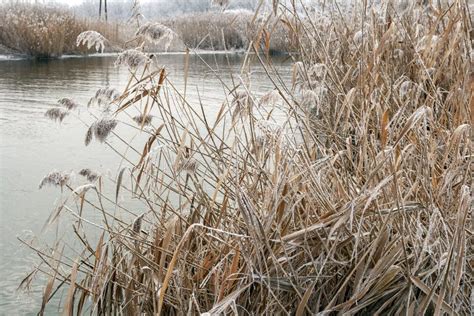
[31, 146]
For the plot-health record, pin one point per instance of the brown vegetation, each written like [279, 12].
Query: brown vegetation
[41, 31]
[359, 201]
[232, 29]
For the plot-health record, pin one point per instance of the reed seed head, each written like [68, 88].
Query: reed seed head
[132, 58]
[104, 96]
[68, 103]
[157, 33]
[143, 119]
[55, 178]
[90, 175]
[100, 130]
[56, 114]
[91, 39]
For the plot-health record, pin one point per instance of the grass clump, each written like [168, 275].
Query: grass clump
[230, 29]
[44, 32]
[358, 200]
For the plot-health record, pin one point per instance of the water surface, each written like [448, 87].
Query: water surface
[31, 145]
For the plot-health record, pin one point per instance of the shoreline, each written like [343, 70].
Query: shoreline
[22, 56]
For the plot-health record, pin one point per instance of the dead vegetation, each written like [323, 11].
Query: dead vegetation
[359, 201]
[44, 32]
[227, 30]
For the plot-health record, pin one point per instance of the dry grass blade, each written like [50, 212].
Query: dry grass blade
[346, 189]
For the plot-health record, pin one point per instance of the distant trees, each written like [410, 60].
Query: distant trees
[120, 9]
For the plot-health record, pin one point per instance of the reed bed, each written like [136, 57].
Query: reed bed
[356, 201]
[42, 31]
[226, 30]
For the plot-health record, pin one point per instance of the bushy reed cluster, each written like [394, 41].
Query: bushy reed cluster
[363, 209]
[46, 31]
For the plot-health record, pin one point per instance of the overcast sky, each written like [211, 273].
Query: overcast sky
[70, 2]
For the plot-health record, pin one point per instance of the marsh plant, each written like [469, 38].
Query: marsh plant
[364, 208]
[47, 31]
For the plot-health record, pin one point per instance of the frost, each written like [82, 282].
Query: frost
[91, 39]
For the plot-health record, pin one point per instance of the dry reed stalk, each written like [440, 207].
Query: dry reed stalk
[365, 208]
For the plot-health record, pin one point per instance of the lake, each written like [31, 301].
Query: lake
[31, 145]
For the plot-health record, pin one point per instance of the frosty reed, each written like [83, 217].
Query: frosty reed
[356, 201]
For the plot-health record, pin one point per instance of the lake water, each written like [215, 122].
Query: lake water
[31, 145]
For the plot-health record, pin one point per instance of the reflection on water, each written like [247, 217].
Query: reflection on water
[31, 145]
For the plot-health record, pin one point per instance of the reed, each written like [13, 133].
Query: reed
[364, 208]
[44, 32]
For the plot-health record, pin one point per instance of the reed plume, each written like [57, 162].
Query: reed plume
[143, 119]
[100, 130]
[89, 174]
[104, 96]
[91, 39]
[132, 58]
[156, 33]
[55, 178]
[56, 114]
[68, 103]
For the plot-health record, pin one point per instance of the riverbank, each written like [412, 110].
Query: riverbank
[9, 55]
[48, 32]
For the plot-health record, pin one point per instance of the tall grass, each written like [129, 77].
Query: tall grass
[357, 201]
[42, 31]
[230, 29]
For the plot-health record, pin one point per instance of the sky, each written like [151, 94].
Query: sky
[70, 2]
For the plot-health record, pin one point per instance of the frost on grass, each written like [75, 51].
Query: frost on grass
[132, 58]
[270, 133]
[55, 178]
[241, 104]
[91, 39]
[186, 165]
[100, 130]
[270, 98]
[82, 190]
[56, 114]
[156, 33]
[313, 99]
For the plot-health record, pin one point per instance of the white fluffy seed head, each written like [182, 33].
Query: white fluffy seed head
[132, 58]
[156, 33]
[55, 178]
[91, 39]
